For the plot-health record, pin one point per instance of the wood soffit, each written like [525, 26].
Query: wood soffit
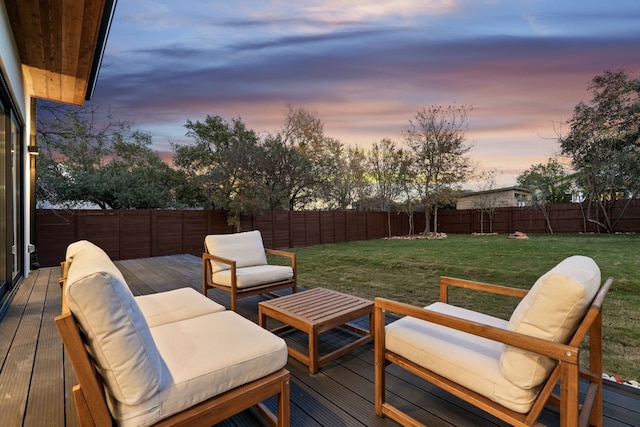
[60, 43]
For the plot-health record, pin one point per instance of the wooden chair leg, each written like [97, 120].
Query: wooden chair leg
[82, 408]
[284, 411]
[569, 396]
[234, 300]
[205, 272]
[379, 362]
[595, 365]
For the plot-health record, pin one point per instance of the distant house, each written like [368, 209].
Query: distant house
[574, 193]
[497, 198]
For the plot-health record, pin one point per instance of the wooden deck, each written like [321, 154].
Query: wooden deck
[36, 380]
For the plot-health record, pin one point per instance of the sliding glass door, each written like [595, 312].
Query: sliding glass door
[17, 210]
[11, 196]
[5, 279]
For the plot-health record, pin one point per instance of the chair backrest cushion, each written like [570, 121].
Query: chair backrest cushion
[552, 310]
[115, 330]
[245, 248]
[76, 247]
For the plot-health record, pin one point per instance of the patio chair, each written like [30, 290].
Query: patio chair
[237, 263]
[168, 359]
[509, 369]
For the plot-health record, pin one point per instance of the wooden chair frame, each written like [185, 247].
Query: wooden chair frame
[91, 403]
[568, 371]
[237, 293]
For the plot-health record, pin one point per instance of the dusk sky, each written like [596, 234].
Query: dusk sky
[365, 68]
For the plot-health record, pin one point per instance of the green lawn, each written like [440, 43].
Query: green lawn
[409, 271]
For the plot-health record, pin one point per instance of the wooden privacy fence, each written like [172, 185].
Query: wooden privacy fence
[127, 234]
[564, 218]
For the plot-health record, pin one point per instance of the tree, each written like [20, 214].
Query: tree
[549, 184]
[286, 173]
[88, 157]
[488, 199]
[604, 143]
[140, 178]
[222, 164]
[411, 189]
[385, 167]
[345, 183]
[437, 138]
[303, 137]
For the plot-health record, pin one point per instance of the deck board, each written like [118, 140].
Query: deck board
[19, 363]
[48, 365]
[36, 377]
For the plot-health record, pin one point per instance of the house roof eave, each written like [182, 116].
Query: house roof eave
[60, 44]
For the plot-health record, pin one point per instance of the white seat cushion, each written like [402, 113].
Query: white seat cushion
[466, 359]
[552, 310]
[246, 249]
[116, 332]
[205, 356]
[248, 277]
[174, 305]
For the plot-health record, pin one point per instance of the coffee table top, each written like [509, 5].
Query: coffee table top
[317, 306]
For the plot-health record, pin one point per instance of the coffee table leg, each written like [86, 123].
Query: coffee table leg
[313, 351]
[262, 318]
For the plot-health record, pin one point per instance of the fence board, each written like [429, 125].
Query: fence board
[168, 233]
[298, 229]
[312, 221]
[264, 223]
[281, 230]
[102, 228]
[194, 231]
[351, 220]
[135, 234]
[339, 226]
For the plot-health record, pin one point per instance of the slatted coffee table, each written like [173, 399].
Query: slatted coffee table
[315, 311]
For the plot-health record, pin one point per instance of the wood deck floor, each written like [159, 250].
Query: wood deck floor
[36, 379]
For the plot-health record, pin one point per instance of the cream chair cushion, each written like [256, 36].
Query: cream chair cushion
[117, 334]
[466, 359]
[76, 247]
[248, 277]
[246, 249]
[205, 356]
[175, 305]
[552, 310]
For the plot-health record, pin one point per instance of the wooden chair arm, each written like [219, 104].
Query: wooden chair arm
[558, 351]
[290, 255]
[63, 273]
[207, 256]
[277, 252]
[207, 269]
[445, 282]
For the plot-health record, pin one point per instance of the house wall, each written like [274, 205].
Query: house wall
[10, 62]
[11, 73]
[504, 199]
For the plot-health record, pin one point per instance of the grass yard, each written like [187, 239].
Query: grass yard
[409, 271]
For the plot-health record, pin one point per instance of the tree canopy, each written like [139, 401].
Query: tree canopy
[549, 182]
[222, 165]
[88, 157]
[604, 143]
